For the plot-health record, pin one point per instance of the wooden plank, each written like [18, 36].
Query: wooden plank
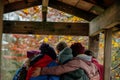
[108, 19]
[47, 28]
[81, 4]
[70, 2]
[108, 2]
[97, 10]
[94, 44]
[107, 53]
[21, 5]
[84, 5]
[1, 31]
[71, 10]
[44, 10]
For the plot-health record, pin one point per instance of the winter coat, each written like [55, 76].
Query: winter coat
[41, 63]
[47, 77]
[100, 68]
[64, 56]
[81, 61]
[78, 74]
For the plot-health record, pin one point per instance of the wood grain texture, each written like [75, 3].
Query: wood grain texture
[109, 19]
[1, 31]
[48, 28]
[107, 53]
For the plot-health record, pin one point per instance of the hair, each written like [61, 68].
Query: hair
[61, 45]
[48, 50]
[89, 53]
[77, 48]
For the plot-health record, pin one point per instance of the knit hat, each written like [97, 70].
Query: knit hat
[65, 55]
[77, 48]
[31, 53]
[48, 50]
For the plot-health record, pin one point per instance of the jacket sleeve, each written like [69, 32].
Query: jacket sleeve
[61, 69]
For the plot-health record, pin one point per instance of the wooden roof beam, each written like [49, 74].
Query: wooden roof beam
[47, 28]
[44, 10]
[20, 5]
[71, 10]
[109, 19]
[96, 10]
[90, 7]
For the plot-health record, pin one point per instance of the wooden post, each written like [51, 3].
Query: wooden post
[94, 44]
[1, 28]
[44, 10]
[107, 53]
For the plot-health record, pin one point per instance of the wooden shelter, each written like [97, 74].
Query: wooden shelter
[103, 16]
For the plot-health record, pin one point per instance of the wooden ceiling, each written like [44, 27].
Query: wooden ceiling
[86, 9]
[101, 14]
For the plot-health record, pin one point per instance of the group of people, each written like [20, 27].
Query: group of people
[71, 63]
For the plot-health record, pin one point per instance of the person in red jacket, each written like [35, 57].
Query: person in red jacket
[22, 71]
[98, 65]
[49, 56]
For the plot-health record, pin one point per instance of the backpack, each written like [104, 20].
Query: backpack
[21, 73]
[47, 77]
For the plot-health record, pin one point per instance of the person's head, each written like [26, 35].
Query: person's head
[77, 48]
[60, 46]
[89, 53]
[32, 53]
[48, 50]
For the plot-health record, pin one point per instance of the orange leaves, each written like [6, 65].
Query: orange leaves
[28, 14]
[69, 38]
[37, 36]
[20, 58]
[35, 14]
[46, 40]
[14, 48]
[115, 44]
[25, 11]
[19, 36]
[9, 57]
[22, 43]
[75, 19]
[101, 45]
[36, 9]
[16, 36]
[32, 10]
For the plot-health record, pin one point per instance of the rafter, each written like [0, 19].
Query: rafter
[71, 10]
[20, 5]
[53, 28]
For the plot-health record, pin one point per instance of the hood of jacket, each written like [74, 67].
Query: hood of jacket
[65, 55]
[84, 57]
